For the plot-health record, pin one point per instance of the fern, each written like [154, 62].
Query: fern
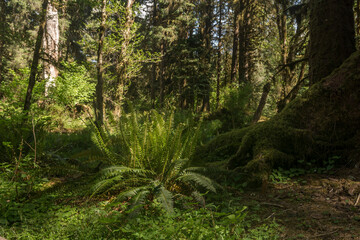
[153, 162]
[165, 197]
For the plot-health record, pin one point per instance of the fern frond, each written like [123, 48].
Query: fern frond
[165, 197]
[105, 184]
[131, 192]
[198, 179]
[115, 170]
[198, 197]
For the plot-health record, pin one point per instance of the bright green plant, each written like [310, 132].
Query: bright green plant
[73, 86]
[153, 162]
[14, 90]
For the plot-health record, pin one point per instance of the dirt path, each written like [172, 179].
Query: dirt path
[312, 206]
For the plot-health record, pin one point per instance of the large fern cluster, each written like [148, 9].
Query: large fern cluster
[148, 159]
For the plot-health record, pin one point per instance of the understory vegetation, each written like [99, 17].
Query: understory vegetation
[179, 119]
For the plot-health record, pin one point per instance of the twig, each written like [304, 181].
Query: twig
[357, 200]
[325, 234]
[270, 216]
[33, 128]
[272, 204]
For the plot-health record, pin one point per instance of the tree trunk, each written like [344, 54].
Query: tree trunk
[99, 109]
[234, 59]
[123, 60]
[281, 22]
[51, 47]
[321, 123]
[36, 57]
[332, 36]
[258, 112]
[154, 65]
[205, 30]
[218, 66]
[162, 72]
[242, 49]
[357, 11]
[3, 36]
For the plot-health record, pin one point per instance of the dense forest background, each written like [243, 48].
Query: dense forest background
[116, 114]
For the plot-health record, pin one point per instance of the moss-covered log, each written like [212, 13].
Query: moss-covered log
[325, 121]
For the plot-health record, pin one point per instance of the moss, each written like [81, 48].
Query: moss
[220, 148]
[321, 123]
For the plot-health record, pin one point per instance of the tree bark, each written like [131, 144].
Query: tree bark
[258, 112]
[219, 68]
[51, 47]
[123, 60]
[332, 36]
[205, 30]
[234, 59]
[99, 110]
[322, 122]
[357, 11]
[36, 57]
[3, 34]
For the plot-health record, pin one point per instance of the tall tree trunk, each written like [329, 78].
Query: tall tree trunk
[123, 60]
[281, 21]
[162, 72]
[242, 43]
[154, 65]
[234, 59]
[332, 22]
[357, 11]
[51, 47]
[205, 30]
[219, 68]
[3, 33]
[36, 57]
[99, 109]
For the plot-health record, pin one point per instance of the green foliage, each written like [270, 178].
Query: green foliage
[305, 167]
[153, 161]
[189, 224]
[236, 101]
[48, 218]
[73, 86]
[14, 89]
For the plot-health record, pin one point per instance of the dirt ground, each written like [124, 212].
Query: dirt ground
[314, 206]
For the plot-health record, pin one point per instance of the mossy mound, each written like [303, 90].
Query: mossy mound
[324, 122]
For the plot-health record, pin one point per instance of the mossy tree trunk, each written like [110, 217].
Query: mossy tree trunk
[99, 109]
[323, 122]
[332, 36]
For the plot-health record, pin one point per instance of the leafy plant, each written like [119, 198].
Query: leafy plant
[73, 86]
[153, 162]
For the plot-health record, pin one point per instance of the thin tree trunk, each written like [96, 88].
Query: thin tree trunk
[219, 68]
[234, 60]
[51, 47]
[357, 10]
[154, 65]
[162, 72]
[258, 112]
[206, 34]
[242, 49]
[2, 37]
[36, 57]
[99, 110]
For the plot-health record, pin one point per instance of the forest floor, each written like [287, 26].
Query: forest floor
[312, 206]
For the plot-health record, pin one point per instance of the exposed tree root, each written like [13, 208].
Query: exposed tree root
[323, 122]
